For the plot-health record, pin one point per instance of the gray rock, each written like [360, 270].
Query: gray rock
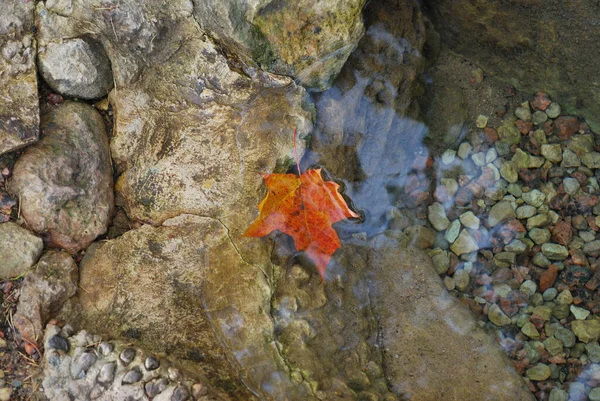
[127, 355]
[151, 363]
[72, 202]
[44, 290]
[76, 67]
[525, 212]
[552, 152]
[566, 336]
[555, 251]
[509, 172]
[448, 156]
[268, 33]
[539, 235]
[571, 185]
[464, 244]
[105, 348]
[539, 117]
[81, 364]
[58, 342]
[19, 250]
[469, 220]
[553, 111]
[181, 393]
[534, 197]
[107, 373]
[592, 247]
[452, 231]
[550, 294]
[437, 216]
[591, 160]
[523, 112]
[19, 108]
[133, 376]
[500, 212]
[570, 159]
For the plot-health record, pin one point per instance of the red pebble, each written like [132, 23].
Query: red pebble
[524, 127]
[561, 233]
[490, 135]
[565, 127]
[548, 277]
[540, 101]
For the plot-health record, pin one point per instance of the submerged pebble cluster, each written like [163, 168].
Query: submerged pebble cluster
[512, 225]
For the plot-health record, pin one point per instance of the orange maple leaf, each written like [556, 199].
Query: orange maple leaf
[305, 208]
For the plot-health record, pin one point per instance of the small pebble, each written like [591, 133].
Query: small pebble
[151, 363]
[553, 111]
[448, 156]
[133, 376]
[127, 355]
[105, 348]
[181, 393]
[550, 294]
[579, 313]
[58, 342]
[464, 150]
[481, 121]
[539, 117]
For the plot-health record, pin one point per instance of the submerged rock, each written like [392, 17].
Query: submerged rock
[19, 250]
[19, 107]
[72, 200]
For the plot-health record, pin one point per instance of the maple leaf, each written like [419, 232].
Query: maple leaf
[305, 208]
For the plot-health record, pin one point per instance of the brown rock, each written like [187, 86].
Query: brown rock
[540, 101]
[548, 277]
[566, 126]
[561, 233]
[524, 127]
[490, 135]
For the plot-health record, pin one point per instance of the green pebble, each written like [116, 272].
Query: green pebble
[565, 336]
[539, 117]
[577, 350]
[586, 330]
[553, 346]
[594, 395]
[530, 331]
[553, 111]
[543, 311]
[558, 394]
[539, 372]
[593, 351]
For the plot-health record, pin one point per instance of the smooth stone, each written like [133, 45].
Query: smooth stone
[478, 159]
[579, 313]
[555, 251]
[81, 364]
[441, 261]
[552, 152]
[570, 159]
[534, 197]
[591, 247]
[593, 351]
[497, 316]
[491, 155]
[529, 287]
[448, 156]
[151, 363]
[594, 394]
[452, 231]
[133, 376]
[469, 220]
[461, 279]
[557, 394]
[500, 212]
[565, 297]
[181, 393]
[538, 220]
[586, 330]
[437, 216]
[481, 121]
[509, 172]
[539, 235]
[550, 294]
[525, 212]
[571, 185]
[540, 136]
[5, 394]
[464, 150]
[523, 112]
[539, 372]
[58, 342]
[553, 111]
[127, 355]
[539, 117]
[19, 250]
[502, 290]
[464, 244]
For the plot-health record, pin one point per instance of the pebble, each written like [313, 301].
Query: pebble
[528, 287]
[565, 297]
[571, 185]
[591, 247]
[593, 351]
[577, 391]
[181, 393]
[5, 394]
[516, 246]
[451, 185]
[151, 363]
[452, 231]
[500, 212]
[133, 376]
[521, 159]
[553, 110]
[539, 117]
[82, 364]
[469, 220]
[579, 313]
[586, 330]
[539, 235]
[525, 212]
[58, 342]
[570, 159]
[105, 348]
[107, 373]
[539, 372]
[441, 261]
[552, 152]
[464, 244]
[448, 157]
[558, 395]
[481, 121]
[478, 159]
[566, 336]
[591, 160]
[530, 331]
[523, 112]
[594, 394]
[461, 279]
[550, 294]
[553, 346]
[490, 156]
[437, 216]
[509, 172]
[534, 197]
[127, 355]
[555, 251]
[540, 260]
[497, 316]
[464, 150]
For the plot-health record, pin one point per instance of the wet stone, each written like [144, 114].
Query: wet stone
[525, 212]
[553, 111]
[571, 185]
[586, 330]
[500, 212]
[105, 348]
[552, 152]
[58, 342]
[566, 336]
[539, 235]
[530, 331]
[534, 198]
[181, 393]
[107, 373]
[464, 244]
[570, 159]
[127, 355]
[553, 346]
[555, 251]
[564, 298]
[464, 150]
[497, 316]
[452, 231]
[523, 112]
[133, 376]
[469, 220]
[528, 287]
[550, 294]
[561, 311]
[539, 117]
[151, 363]
[591, 160]
[155, 387]
[592, 247]
[540, 260]
[579, 313]
[593, 351]
[539, 372]
[448, 156]
[461, 279]
[594, 394]
[516, 246]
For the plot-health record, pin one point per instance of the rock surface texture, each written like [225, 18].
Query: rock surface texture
[64, 182]
[527, 44]
[19, 110]
[19, 250]
[307, 40]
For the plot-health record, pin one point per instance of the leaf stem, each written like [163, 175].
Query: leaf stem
[296, 153]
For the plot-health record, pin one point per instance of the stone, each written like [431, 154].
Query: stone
[528, 287]
[553, 111]
[5, 394]
[469, 220]
[45, 289]
[591, 247]
[509, 172]
[441, 261]
[594, 394]
[534, 197]
[464, 244]
[107, 373]
[565, 297]
[76, 67]
[133, 376]
[555, 251]
[479, 159]
[591, 160]
[437, 216]
[151, 363]
[579, 313]
[461, 279]
[448, 156]
[497, 316]
[508, 133]
[530, 331]
[19, 108]
[552, 152]
[539, 117]
[565, 127]
[127, 355]
[451, 185]
[500, 212]
[561, 232]
[539, 235]
[81, 364]
[71, 203]
[577, 391]
[420, 236]
[543, 311]
[570, 159]
[105, 348]
[593, 351]
[539, 220]
[540, 260]
[490, 156]
[270, 34]
[548, 277]
[539, 372]
[550, 294]
[581, 144]
[481, 121]
[58, 342]
[452, 231]
[521, 159]
[525, 212]
[464, 150]
[516, 246]
[571, 185]
[19, 250]
[523, 112]
[553, 346]
[565, 336]
[586, 330]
